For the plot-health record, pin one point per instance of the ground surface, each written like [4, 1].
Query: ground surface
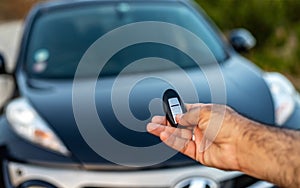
[9, 40]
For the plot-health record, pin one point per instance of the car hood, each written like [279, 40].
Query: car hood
[245, 91]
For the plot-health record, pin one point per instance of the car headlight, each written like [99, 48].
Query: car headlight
[284, 96]
[26, 122]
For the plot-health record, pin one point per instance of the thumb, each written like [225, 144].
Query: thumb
[190, 118]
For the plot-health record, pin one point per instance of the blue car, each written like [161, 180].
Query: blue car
[89, 76]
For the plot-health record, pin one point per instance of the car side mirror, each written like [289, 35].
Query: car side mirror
[241, 40]
[2, 65]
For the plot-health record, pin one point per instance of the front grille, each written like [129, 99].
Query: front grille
[239, 182]
[121, 187]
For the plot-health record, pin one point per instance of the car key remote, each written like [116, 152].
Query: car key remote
[173, 105]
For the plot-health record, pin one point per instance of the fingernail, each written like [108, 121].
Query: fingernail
[152, 126]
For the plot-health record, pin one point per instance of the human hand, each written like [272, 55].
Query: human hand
[217, 130]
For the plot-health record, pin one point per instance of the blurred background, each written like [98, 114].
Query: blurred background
[274, 23]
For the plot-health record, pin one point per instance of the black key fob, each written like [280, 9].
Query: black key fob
[172, 105]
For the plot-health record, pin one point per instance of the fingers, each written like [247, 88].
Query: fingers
[155, 129]
[190, 118]
[159, 120]
[185, 146]
[178, 139]
[158, 129]
[191, 106]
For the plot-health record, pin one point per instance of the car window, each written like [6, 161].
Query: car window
[60, 37]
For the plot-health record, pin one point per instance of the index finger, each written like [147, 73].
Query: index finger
[159, 120]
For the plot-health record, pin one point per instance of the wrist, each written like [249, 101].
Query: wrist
[251, 158]
[244, 145]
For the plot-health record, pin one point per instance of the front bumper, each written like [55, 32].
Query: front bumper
[18, 173]
[76, 178]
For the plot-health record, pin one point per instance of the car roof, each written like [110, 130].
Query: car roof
[62, 3]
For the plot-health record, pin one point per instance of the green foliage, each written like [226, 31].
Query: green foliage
[274, 23]
[15, 9]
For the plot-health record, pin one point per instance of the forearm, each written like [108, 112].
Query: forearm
[270, 153]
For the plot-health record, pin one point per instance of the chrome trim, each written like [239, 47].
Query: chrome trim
[197, 182]
[76, 178]
[262, 184]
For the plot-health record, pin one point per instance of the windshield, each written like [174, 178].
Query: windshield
[59, 38]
